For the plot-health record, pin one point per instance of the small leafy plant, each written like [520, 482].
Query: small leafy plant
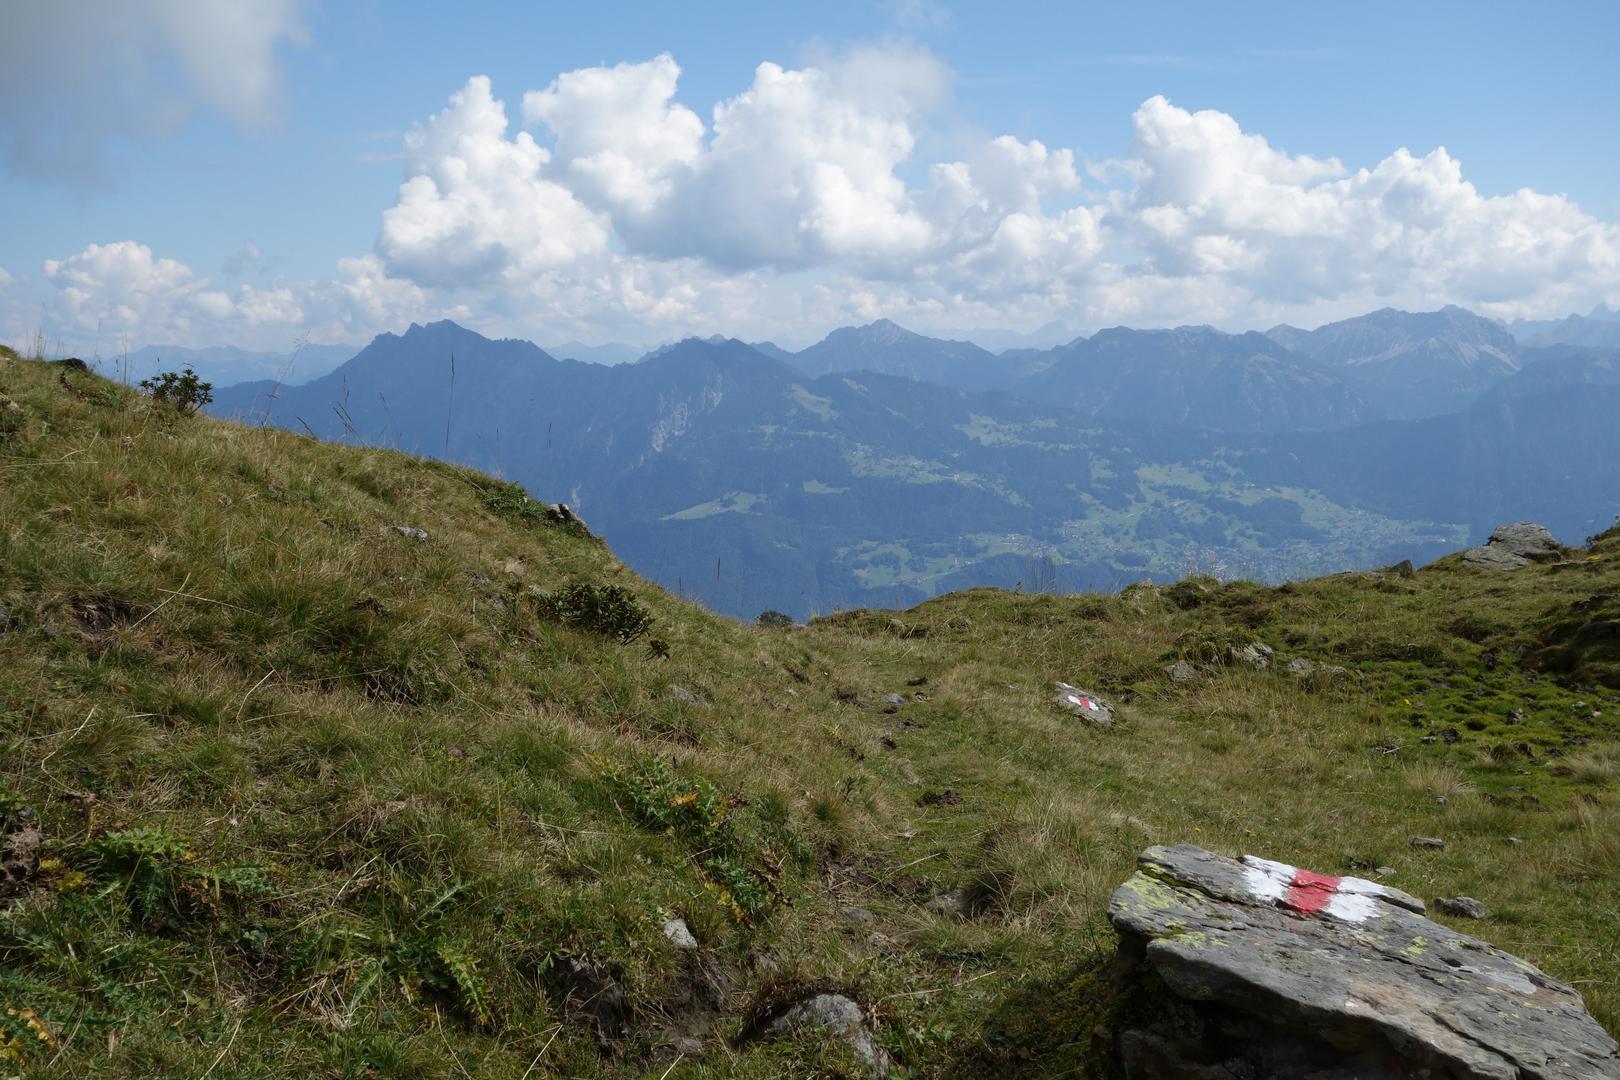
[694, 810]
[184, 391]
[609, 610]
[159, 875]
[406, 949]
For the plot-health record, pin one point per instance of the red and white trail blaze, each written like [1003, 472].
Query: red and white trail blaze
[1349, 899]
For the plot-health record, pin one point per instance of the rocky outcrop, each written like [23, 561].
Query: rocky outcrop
[1513, 547]
[1255, 969]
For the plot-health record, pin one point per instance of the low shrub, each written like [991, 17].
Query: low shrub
[183, 390]
[609, 610]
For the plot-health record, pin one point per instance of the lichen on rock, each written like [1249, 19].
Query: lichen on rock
[1259, 968]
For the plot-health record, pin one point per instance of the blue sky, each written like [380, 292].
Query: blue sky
[196, 173]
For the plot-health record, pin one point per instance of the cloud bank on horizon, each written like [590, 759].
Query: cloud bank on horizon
[600, 206]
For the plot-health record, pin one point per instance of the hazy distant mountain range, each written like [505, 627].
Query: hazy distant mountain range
[1599, 329]
[224, 365]
[881, 466]
[613, 352]
[1409, 365]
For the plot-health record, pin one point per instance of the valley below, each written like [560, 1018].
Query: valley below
[881, 468]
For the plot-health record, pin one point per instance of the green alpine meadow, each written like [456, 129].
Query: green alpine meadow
[329, 761]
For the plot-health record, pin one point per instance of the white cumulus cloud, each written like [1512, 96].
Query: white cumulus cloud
[620, 137]
[801, 172]
[609, 208]
[477, 206]
[1218, 207]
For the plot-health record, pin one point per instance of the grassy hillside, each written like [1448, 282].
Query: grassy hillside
[316, 797]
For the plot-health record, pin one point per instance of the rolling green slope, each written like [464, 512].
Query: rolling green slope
[288, 791]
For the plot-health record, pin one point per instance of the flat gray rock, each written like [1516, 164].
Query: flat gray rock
[1264, 969]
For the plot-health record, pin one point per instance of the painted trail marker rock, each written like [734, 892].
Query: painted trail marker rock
[1251, 968]
[1084, 704]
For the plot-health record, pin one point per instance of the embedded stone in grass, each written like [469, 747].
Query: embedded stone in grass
[679, 934]
[1272, 970]
[410, 533]
[1084, 704]
[1181, 672]
[838, 1015]
[962, 903]
[1433, 842]
[685, 696]
[1462, 907]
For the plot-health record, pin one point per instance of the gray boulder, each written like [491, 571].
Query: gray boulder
[1513, 547]
[1525, 538]
[1261, 969]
